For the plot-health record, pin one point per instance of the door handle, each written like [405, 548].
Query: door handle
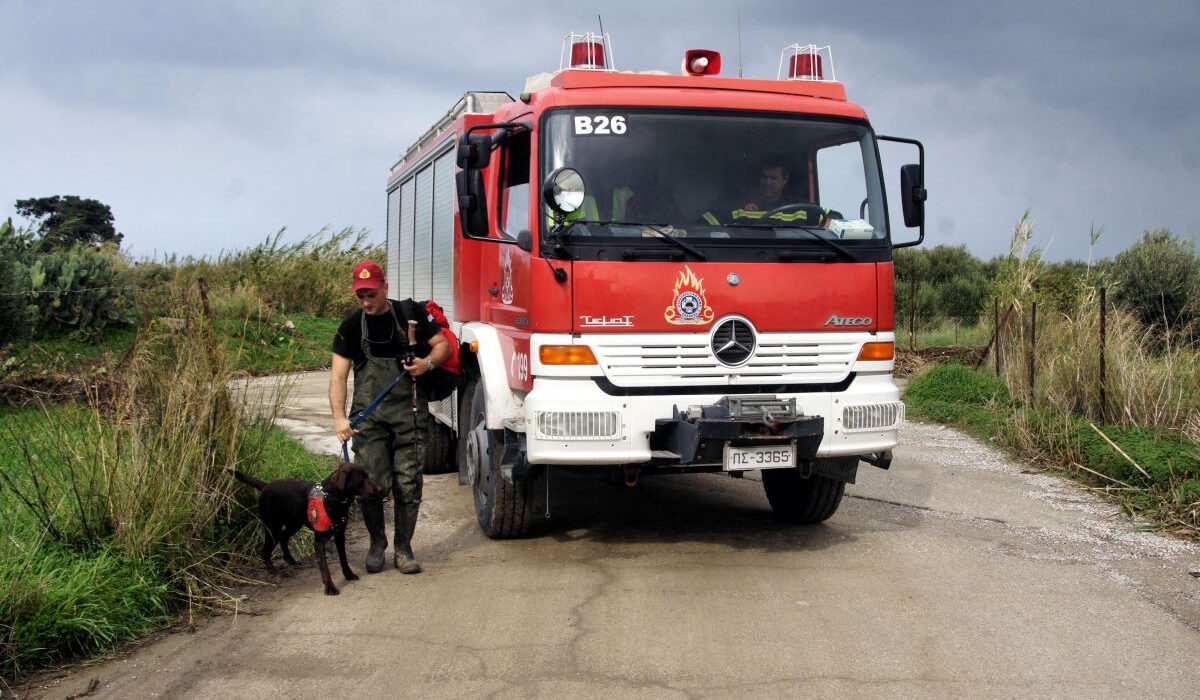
[494, 291]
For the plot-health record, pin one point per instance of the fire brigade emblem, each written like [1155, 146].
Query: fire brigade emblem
[689, 306]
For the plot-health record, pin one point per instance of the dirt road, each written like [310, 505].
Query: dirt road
[958, 573]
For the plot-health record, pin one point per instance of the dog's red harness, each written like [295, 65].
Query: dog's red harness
[318, 518]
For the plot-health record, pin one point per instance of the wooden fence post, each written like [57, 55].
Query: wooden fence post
[1032, 347]
[1103, 334]
[996, 335]
[204, 299]
[912, 310]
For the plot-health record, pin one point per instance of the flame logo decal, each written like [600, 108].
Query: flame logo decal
[689, 306]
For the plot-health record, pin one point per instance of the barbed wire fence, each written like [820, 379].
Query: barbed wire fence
[82, 290]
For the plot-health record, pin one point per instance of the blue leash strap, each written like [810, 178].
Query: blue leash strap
[362, 415]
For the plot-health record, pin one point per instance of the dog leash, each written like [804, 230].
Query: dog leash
[362, 415]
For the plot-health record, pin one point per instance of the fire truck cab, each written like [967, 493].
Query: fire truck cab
[655, 272]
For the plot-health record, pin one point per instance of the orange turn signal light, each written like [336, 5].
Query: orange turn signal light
[566, 355]
[877, 351]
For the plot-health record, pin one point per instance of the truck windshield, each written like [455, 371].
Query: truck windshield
[732, 186]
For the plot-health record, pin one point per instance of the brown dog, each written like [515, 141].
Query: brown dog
[286, 505]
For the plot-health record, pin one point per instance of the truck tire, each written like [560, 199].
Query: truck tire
[504, 510]
[795, 499]
[437, 449]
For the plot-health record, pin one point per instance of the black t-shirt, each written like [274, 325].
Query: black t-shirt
[383, 337]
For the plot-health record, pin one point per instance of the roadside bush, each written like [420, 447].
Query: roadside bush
[63, 604]
[310, 276]
[978, 402]
[1158, 280]
[951, 284]
[121, 512]
[954, 394]
[16, 312]
[79, 289]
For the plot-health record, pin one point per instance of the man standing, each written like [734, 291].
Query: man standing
[374, 339]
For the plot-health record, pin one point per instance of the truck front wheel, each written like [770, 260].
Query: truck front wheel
[503, 509]
[795, 499]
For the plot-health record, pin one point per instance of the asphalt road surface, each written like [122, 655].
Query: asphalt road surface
[957, 573]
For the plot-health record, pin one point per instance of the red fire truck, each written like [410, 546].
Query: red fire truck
[629, 294]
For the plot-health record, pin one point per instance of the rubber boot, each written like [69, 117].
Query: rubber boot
[373, 518]
[406, 524]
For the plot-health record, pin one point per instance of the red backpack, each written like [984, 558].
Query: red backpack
[439, 317]
[442, 381]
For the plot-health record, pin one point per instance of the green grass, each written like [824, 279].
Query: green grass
[63, 604]
[945, 334]
[65, 594]
[61, 364]
[978, 402]
[118, 510]
[956, 395]
[264, 347]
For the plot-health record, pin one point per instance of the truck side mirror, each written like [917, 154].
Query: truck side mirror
[475, 151]
[913, 194]
[912, 191]
[472, 202]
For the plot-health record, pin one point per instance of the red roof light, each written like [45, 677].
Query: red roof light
[588, 54]
[805, 67]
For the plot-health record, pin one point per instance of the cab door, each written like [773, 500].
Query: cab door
[505, 267]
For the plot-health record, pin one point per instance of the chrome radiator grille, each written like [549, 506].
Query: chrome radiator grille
[636, 360]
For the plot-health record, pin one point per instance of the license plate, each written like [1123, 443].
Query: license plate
[739, 458]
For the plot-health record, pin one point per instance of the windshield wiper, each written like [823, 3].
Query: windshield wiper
[813, 236]
[652, 227]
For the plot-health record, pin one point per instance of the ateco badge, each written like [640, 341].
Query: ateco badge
[842, 321]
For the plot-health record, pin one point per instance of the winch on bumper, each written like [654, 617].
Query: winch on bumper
[712, 434]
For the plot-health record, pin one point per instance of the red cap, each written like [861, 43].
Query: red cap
[367, 275]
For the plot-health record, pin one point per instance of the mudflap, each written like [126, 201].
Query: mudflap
[513, 461]
[699, 434]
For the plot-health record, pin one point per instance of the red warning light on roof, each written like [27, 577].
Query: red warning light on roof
[587, 54]
[805, 66]
[807, 62]
[701, 62]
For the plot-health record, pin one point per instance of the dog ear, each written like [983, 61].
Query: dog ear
[338, 478]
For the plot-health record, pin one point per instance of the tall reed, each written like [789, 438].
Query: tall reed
[309, 276]
[133, 482]
[1151, 381]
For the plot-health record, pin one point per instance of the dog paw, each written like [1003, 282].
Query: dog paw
[350, 575]
[330, 590]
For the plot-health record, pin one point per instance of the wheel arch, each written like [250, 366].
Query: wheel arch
[505, 408]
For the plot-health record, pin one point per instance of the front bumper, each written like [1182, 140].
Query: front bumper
[699, 436]
[572, 421]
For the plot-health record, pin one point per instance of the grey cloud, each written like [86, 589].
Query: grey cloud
[255, 115]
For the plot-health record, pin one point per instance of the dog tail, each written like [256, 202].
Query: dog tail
[248, 479]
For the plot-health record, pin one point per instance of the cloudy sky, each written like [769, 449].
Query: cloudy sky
[209, 125]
